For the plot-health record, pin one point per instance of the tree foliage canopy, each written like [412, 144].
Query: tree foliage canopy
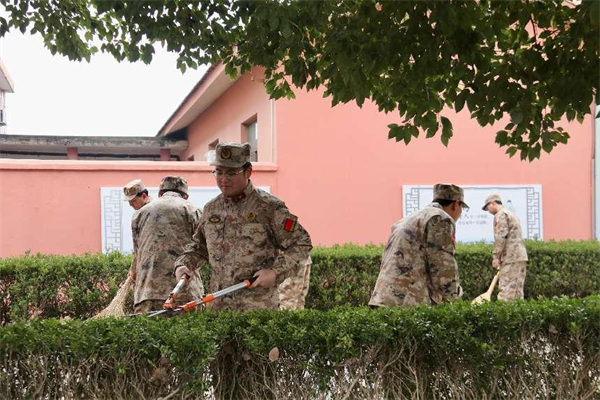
[535, 61]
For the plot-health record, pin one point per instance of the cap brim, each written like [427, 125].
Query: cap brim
[465, 205]
[129, 198]
[485, 206]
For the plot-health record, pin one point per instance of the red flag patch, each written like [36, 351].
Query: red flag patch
[289, 224]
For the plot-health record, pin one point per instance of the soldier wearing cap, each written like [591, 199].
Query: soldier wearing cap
[245, 232]
[161, 230]
[136, 194]
[418, 265]
[509, 256]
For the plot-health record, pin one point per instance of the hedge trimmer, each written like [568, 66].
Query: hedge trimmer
[170, 309]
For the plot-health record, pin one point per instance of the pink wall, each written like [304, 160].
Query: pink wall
[335, 169]
[224, 119]
[53, 207]
[344, 178]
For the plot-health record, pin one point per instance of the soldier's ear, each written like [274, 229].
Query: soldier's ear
[249, 172]
[458, 206]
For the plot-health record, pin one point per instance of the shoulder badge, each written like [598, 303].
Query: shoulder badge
[225, 154]
[289, 224]
[214, 219]
[251, 217]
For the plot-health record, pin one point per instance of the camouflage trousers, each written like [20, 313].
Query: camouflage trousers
[512, 280]
[148, 305]
[195, 288]
[193, 291]
[293, 290]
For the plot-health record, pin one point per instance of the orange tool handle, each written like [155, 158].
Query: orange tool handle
[210, 297]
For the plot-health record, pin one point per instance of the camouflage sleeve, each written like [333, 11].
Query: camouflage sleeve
[500, 235]
[195, 253]
[442, 268]
[195, 216]
[293, 241]
[135, 235]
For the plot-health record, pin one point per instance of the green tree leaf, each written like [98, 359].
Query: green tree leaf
[415, 55]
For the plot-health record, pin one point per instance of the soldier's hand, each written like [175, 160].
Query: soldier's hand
[182, 270]
[266, 278]
[496, 263]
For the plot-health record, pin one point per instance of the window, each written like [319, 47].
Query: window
[251, 132]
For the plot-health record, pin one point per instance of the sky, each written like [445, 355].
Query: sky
[55, 96]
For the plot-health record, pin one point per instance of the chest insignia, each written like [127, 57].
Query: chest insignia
[215, 219]
[251, 217]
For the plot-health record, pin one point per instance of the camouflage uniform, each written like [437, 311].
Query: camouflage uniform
[293, 290]
[418, 264]
[130, 190]
[241, 235]
[161, 230]
[509, 249]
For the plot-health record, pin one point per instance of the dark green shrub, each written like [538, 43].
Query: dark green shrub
[59, 286]
[538, 348]
[346, 274]
[80, 286]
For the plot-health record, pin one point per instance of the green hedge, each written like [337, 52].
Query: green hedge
[80, 286]
[346, 274]
[533, 349]
[59, 286]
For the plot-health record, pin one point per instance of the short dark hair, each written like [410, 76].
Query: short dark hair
[142, 192]
[444, 202]
[172, 190]
[247, 166]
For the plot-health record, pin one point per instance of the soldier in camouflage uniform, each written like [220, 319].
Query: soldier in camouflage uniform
[418, 264]
[136, 194]
[161, 230]
[244, 232]
[510, 256]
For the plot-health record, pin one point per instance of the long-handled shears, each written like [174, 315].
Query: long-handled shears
[168, 306]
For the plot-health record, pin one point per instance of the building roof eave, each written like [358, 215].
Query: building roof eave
[91, 144]
[209, 88]
[6, 83]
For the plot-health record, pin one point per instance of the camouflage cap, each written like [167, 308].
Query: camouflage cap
[489, 199]
[174, 183]
[231, 154]
[447, 191]
[132, 189]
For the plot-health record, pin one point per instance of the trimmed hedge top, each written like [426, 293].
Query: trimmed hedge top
[80, 286]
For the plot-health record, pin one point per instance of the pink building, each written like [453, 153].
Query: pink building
[334, 168]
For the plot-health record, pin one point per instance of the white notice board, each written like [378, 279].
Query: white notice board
[116, 214]
[477, 225]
